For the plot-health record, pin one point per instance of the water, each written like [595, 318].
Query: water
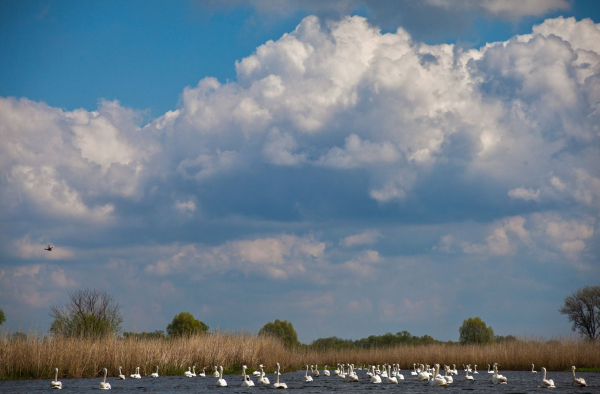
[518, 382]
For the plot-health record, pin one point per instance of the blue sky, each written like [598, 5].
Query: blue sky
[354, 167]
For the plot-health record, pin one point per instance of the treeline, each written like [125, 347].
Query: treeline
[387, 340]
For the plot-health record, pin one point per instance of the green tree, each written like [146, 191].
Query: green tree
[583, 310]
[474, 330]
[90, 313]
[184, 324]
[282, 330]
[2, 317]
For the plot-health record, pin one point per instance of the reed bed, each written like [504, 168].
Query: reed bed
[34, 357]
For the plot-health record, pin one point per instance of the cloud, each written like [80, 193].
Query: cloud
[524, 194]
[365, 238]
[278, 257]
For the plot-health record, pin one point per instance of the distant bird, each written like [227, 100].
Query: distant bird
[315, 372]
[326, 371]
[55, 384]
[49, 248]
[188, 373]
[203, 373]
[121, 376]
[436, 378]
[375, 379]
[154, 374]
[475, 369]
[216, 373]
[548, 383]
[533, 368]
[136, 375]
[577, 381]
[103, 384]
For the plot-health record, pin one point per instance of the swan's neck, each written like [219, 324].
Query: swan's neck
[544, 377]
[56, 374]
[573, 370]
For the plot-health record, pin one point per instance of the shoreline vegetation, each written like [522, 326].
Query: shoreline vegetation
[35, 357]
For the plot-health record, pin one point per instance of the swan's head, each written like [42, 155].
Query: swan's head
[573, 368]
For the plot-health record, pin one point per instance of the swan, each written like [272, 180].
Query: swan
[263, 379]
[55, 384]
[247, 381]
[399, 376]
[257, 372]
[316, 373]
[475, 369]
[121, 376]
[414, 372]
[499, 379]
[221, 382]
[326, 371]
[447, 378]
[376, 379]
[352, 376]
[342, 373]
[103, 384]
[154, 374]
[391, 379]
[337, 370]
[203, 373]
[188, 373]
[423, 375]
[467, 374]
[306, 377]
[533, 369]
[193, 371]
[136, 375]
[453, 371]
[216, 373]
[577, 381]
[436, 378]
[548, 383]
[278, 385]
[489, 371]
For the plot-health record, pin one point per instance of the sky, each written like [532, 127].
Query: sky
[355, 167]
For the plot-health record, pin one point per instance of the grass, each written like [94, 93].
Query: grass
[35, 357]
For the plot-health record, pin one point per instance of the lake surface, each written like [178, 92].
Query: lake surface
[518, 382]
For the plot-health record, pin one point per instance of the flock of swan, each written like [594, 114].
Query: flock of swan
[388, 374]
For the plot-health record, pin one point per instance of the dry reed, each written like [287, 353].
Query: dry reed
[34, 357]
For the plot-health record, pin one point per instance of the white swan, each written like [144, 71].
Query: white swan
[315, 372]
[154, 374]
[376, 379]
[216, 373]
[498, 379]
[436, 378]
[263, 379]
[136, 375]
[533, 369]
[475, 369]
[193, 371]
[423, 375]
[453, 371]
[414, 372]
[489, 370]
[577, 381]
[448, 378]
[399, 376]
[326, 371]
[188, 373]
[278, 385]
[352, 376]
[247, 381]
[121, 376]
[548, 383]
[103, 384]
[467, 374]
[391, 379]
[55, 384]
[221, 382]
[306, 377]
[203, 373]
[257, 372]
